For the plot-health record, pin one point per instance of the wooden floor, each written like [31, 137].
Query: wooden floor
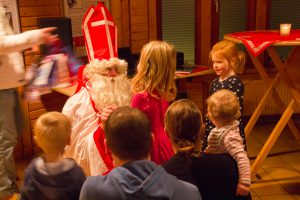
[279, 178]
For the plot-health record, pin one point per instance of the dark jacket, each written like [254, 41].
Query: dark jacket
[63, 186]
[215, 175]
[138, 180]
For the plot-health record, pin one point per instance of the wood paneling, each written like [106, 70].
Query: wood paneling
[142, 35]
[31, 21]
[29, 12]
[153, 34]
[141, 19]
[116, 12]
[136, 45]
[261, 14]
[205, 30]
[137, 18]
[37, 3]
[139, 27]
[198, 41]
[39, 11]
[125, 32]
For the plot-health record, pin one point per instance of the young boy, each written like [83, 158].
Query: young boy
[51, 176]
[128, 135]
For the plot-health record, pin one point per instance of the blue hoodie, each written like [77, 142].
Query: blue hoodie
[42, 183]
[141, 179]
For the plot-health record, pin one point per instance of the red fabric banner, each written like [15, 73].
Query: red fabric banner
[257, 41]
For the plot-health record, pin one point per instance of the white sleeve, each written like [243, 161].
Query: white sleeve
[20, 42]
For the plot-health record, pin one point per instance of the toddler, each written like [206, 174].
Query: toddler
[224, 110]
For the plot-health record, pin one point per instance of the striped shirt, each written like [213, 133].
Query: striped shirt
[228, 140]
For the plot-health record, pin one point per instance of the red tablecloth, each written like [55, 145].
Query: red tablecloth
[257, 41]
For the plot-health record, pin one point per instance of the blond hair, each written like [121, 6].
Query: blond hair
[228, 50]
[156, 70]
[52, 132]
[224, 106]
[184, 125]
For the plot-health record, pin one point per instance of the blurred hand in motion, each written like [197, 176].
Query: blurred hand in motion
[106, 111]
[48, 37]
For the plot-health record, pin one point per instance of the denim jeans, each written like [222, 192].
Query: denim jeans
[8, 140]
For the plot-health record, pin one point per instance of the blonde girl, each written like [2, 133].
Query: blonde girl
[227, 61]
[153, 87]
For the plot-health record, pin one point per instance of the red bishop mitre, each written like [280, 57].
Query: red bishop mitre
[100, 33]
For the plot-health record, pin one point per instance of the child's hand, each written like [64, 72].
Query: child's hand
[242, 190]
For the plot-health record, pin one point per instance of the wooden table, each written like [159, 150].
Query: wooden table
[199, 71]
[286, 73]
[182, 79]
[68, 91]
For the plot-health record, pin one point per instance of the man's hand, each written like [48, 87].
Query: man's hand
[48, 36]
[242, 190]
[106, 111]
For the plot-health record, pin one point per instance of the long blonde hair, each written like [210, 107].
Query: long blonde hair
[228, 50]
[156, 70]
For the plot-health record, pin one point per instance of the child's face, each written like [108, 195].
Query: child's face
[221, 66]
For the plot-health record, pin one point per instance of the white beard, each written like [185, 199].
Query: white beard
[106, 91]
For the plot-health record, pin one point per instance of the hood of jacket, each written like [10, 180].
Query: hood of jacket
[141, 179]
[52, 187]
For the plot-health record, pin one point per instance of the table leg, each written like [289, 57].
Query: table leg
[260, 107]
[181, 89]
[282, 70]
[285, 76]
[275, 95]
[272, 138]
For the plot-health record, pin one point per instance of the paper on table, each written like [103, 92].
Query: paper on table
[185, 70]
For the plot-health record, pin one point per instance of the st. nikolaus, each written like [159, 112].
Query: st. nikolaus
[102, 83]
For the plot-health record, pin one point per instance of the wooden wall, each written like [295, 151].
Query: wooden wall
[29, 12]
[120, 13]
